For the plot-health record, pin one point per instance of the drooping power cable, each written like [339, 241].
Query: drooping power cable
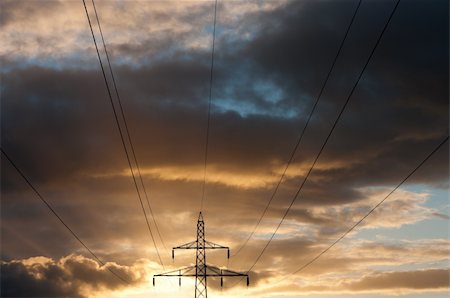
[121, 133]
[127, 131]
[327, 138]
[209, 106]
[368, 213]
[59, 217]
[291, 158]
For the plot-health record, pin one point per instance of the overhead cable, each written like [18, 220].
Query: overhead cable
[121, 133]
[370, 212]
[209, 106]
[43, 200]
[133, 152]
[291, 158]
[328, 136]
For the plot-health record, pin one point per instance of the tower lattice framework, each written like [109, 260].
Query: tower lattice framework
[201, 271]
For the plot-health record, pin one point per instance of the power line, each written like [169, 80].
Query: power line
[209, 106]
[328, 136]
[59, 217]
[370, 212]
[121, 133]
[302, 132]
[126, 125]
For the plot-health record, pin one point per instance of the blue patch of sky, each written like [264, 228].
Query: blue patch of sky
[268, 91]
[426, 229]
[248, 108]
[265, 91]
[439, 198]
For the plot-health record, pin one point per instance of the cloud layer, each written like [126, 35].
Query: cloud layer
[71, 276]
[270, 61]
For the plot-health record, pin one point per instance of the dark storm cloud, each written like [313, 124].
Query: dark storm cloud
[378, 119]
[72, 276]
[165, 102]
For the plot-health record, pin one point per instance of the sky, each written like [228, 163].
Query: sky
[271, 59]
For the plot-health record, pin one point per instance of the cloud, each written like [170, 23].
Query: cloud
[358, 266]
[328, 221]
[166, 99]
[270, 61]
[390, 283]
[146, 31]
[436, 279]
[350, 260]
[440, 215]
[71, 276]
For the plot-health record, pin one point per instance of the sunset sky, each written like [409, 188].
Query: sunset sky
[270, 61]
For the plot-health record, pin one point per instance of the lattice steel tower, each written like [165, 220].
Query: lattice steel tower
[202, 270]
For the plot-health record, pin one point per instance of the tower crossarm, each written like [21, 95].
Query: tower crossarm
[183, 272]
[217, 272]
[208, 245]
[211, 271]
[189, 245]
[178, 272]
[212, 245]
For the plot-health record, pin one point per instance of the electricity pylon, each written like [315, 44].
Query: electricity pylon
[201, 271]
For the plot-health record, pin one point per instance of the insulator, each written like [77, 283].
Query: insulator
[248, 281]
[153, 281]
[228, 253]
[173, 254]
